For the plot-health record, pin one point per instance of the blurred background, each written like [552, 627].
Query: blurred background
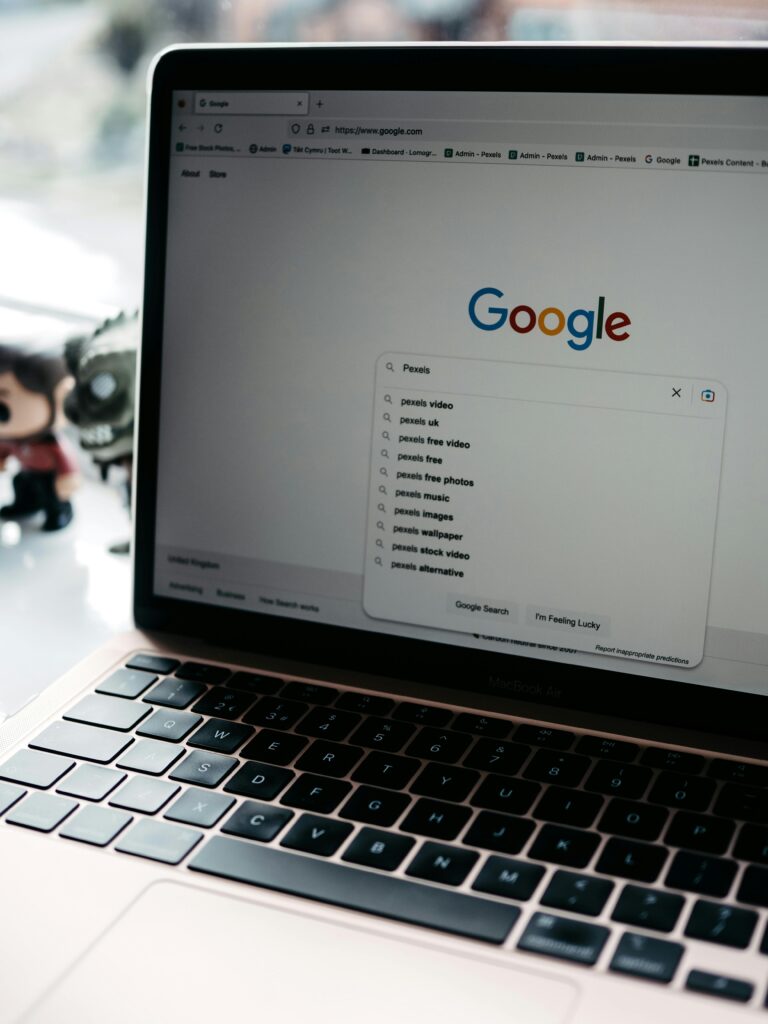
[72, 109]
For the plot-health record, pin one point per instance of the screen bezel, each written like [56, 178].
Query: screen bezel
[722, 71]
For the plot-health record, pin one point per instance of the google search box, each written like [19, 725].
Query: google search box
[253, 103]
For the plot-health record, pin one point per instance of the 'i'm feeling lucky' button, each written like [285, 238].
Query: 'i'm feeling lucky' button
[570, 622]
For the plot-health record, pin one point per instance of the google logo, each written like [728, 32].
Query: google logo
[584, 325]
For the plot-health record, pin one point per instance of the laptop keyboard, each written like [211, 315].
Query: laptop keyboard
[470, 824]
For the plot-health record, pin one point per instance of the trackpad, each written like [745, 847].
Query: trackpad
[183, 954]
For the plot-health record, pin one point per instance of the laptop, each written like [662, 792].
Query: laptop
[447, 695]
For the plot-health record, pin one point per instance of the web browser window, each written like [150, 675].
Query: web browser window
[480, 369]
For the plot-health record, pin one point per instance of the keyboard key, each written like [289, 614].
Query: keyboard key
[146, 795]
[219, 735]
[551, 766]
[328, 723]
[673, 790]
[710, 876]
[154, 663]
[90, 782]
[499, 832]
[274, 747]
[493, 756]
[199, 672]
[578, 893]
[445, 782]
[568, 846]
[700, 832]
[641, 862]
[718, 985]
[252, 682]
[739, 771]
[257, 821]
[499, 793]
[158, 840]
[632, 819]
[644, 957]
[313, 834]
[386, 770]
[607, 747]
[564, 938]
[83, 741]
[108, 712]
[437, 745]
[335, 759]
[35, 768]
[152, 757]
[275, 713]
[381, 850]
[127, 683]
[422, 714]
[542, 736]
[674, 760]
[752, 844]
[315, 793]
[717, 922]
[445, 864]
[199, 807]
[481, 725]
[169, 725]
[9, 795]
[375, 806]
[435, 819]
[365, 704]
[568, 807]
[41, 811]
[224, 702]
[311, 693]
[203, 769]
[95, 825]
[383, 734]
[259, 781]
[648, 908]
[616, 779]
[743, 802]
[174, 693]
[754, 887]
[512, 879]
[367, 891]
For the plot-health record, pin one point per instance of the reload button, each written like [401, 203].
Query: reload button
[482, 607]
[568, 621]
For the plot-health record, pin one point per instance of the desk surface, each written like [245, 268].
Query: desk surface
[61, 594]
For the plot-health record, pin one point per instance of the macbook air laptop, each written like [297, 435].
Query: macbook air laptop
[448, 693]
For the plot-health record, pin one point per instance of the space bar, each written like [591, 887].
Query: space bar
[356, 890]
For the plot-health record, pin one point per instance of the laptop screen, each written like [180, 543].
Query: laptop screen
[480, 369]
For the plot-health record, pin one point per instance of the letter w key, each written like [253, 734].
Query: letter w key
[223, 737]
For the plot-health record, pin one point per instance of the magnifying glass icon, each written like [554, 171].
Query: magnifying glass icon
[390, 366]
[379, 525]
[385, 435]
[384, 453]
[378, 561]
[387, 417]
[379, 543]
[388, 399]
[380, 507]
[382, 489]
[383, 471]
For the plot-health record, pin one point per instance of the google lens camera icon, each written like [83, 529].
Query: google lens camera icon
[707, 395]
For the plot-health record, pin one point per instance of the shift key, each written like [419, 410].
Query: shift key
[85, 741]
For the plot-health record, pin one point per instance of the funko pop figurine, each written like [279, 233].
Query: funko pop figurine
[33, 385]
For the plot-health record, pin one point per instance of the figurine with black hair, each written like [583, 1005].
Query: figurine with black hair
[33, 385]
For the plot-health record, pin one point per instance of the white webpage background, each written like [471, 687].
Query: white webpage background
[290, 278]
